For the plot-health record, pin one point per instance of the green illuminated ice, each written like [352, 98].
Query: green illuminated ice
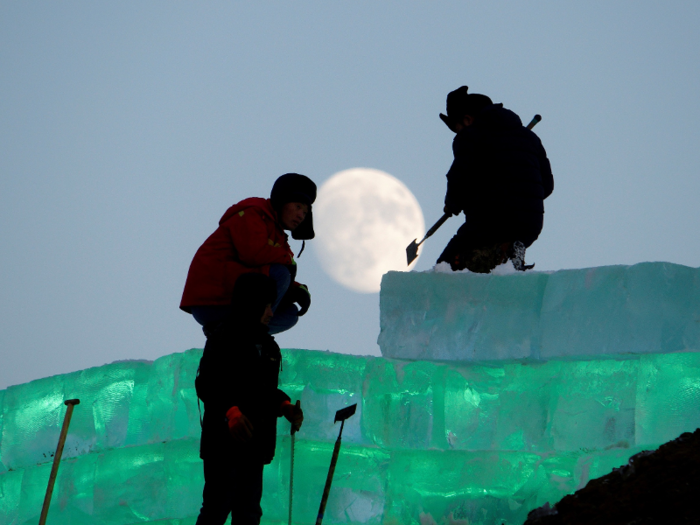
[432, 441]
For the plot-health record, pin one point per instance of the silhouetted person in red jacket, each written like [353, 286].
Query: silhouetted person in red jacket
[251, 238]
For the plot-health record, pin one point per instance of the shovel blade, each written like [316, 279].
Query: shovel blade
[411, 252]
[344, 413]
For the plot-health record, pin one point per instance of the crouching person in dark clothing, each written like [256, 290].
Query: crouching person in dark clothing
[499, 179]
[237, 381]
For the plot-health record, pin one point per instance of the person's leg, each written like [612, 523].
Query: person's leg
[209, 314]
[527, 232]
[451, 252]
[280, 274]
[286, 314]
[284, 318]
[246, 509]
[210, 317]
[216, 496]
[231, 486]
[459, 249]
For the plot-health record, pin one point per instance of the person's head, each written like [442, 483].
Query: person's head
[252, 298]
[267, 314]
[292, 196]
[463, 108]
[293, 214]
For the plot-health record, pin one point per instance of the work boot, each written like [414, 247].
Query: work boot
[518, 257]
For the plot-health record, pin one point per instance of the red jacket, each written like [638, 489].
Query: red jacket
[248, 239]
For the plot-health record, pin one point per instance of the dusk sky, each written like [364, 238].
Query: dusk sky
[127, 129]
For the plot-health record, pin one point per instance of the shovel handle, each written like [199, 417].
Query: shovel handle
[70, 403]
[291, 481]
[293, 429]
[534, 121]
[329, 479]
[435, 226]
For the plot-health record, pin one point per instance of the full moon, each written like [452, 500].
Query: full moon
[364, 219]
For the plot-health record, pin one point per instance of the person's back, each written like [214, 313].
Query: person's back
[240, 367]
[503, 159]
[499, 178]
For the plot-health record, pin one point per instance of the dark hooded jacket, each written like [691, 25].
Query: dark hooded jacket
[500, 177]
[240, 367]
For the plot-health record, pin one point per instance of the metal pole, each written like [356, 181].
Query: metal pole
[57, 458]
[329, 479]
[291, 480]
[291, 467]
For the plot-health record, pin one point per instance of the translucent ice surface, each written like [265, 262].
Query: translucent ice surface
[609, 310]
[431, 442]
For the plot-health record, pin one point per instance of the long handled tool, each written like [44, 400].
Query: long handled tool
[291, 472]
[57, 458]
[340, 415]
[412, 249]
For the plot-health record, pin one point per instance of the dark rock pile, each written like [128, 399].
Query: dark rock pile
[662, 486]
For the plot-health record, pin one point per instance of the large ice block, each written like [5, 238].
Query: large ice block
[609, 310]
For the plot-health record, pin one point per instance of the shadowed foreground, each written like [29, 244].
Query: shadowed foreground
[654, 487]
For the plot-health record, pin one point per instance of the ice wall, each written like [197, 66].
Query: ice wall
[431, 441]
[640, 309]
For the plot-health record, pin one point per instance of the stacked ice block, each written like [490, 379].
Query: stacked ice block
[609, 310]
[432, 441]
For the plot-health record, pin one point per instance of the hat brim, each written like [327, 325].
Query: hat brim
[450, 123]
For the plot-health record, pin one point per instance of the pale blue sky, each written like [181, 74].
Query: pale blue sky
[127, 128]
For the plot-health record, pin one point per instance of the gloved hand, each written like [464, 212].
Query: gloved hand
[450, 210]
[302, 297]
[293, 413]
[239, 426]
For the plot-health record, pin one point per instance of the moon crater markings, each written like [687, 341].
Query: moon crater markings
[364, 219]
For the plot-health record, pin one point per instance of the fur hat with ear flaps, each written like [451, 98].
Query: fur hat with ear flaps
[461, 103]
[293, 187]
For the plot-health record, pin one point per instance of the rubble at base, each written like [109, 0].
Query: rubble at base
[654, 487]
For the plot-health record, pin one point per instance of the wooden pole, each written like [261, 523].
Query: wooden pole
[57, 458]
[291, 469]
[291, 481]
[329, 479]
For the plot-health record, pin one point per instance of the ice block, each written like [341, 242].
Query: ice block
[609, 310]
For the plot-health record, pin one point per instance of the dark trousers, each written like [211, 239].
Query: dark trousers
[474, 234]
[231, 487]
[285, 317]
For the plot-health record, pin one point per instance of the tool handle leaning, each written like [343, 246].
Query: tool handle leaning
[57, 458]
[329, 480]
[534, 121]
[291, 480]
[435, 226]
[291, 468]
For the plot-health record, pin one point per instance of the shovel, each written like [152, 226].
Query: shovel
[412, 249]
[340, 415]
[70, 403]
